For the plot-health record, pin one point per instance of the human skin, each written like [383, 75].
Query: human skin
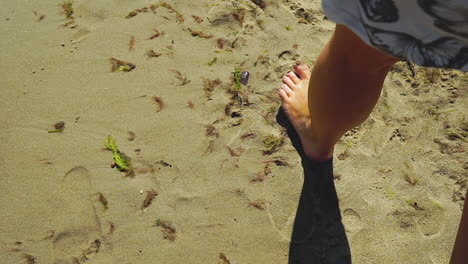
[341, 91]
[339, 94]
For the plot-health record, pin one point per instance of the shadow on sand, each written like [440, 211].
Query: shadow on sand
[318, 234]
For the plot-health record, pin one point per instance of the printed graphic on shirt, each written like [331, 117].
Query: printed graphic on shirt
[450, 15]
[380, 10]
[444, 52]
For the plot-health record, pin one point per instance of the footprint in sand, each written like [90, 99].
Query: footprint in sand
[78, 230]
[352, 221]
[80, 35]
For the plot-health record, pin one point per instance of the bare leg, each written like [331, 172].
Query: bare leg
[460, 249]
[337, 95]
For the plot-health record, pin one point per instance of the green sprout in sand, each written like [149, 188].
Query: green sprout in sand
[122, 162]
[436, 205]
[237, 79]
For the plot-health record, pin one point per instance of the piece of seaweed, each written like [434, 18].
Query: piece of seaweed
[224, 259]
[260, 204]
[123, 66]
[182, 78]
[122, 161]
[102, 199]
[211, 131]
[59, 127]
[237, 79]
[168, 230]
[152, 54]
[200, 34]
[131, 43]
[67, 8]
[159, 102]
[153, 8]
[209, 86]
[197, 19]
[156, 34]
[150, 195]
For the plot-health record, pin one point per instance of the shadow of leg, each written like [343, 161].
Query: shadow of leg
[318, 234]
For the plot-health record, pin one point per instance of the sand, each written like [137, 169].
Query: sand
[222, 197]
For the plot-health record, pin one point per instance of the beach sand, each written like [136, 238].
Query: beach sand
[197, 141]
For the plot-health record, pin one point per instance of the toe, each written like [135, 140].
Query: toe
[293, 77]
[287, 89]
[302, 70]
[288, 82]
[282, 95]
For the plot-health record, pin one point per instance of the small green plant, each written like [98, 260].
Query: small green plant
[450, 110]
[436, 205]
[237, 79]
[157, 222]
[271, 143]
[390, 194]
[348, 143]
[387, 106]
[410, 202]
[416, 206]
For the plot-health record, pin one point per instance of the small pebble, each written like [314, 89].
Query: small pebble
[245, 77]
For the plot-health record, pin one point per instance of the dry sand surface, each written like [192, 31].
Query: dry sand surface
[205, 188]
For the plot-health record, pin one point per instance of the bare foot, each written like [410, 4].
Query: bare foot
[294, 95]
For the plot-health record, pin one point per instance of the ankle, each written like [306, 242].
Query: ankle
[320, 152]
